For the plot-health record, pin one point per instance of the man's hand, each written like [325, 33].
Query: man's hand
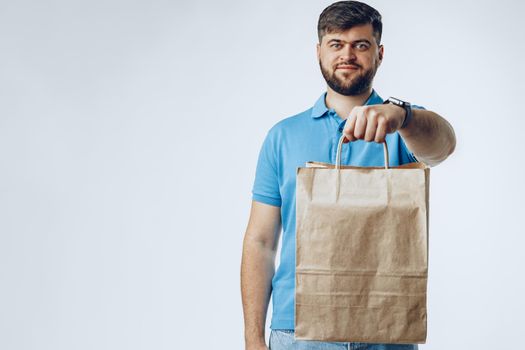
[256, 347]
[373, 122]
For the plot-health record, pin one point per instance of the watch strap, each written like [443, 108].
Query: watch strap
[405, 105]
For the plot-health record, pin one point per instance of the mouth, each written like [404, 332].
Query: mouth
[347, 67]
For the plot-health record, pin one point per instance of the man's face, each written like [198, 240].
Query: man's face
[349, 60]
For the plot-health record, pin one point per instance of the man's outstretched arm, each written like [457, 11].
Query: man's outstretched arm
[257, 270]
[428, 135]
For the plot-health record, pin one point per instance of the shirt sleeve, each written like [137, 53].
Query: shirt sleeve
[266, 184]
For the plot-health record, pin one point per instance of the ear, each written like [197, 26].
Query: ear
[318, 46]
[381, 53]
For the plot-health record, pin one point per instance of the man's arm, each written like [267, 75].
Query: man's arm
[429, 136]
[257, 270]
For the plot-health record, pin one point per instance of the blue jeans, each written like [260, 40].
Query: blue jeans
[284, 340]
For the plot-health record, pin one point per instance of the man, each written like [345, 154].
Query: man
[349, 53]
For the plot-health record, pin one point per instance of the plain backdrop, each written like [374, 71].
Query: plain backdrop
[129, 135]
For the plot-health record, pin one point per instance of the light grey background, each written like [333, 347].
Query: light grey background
[129, 134]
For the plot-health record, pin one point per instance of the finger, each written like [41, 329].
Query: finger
[381, 131]
[348, 130]
[360, 124]
[371, 126]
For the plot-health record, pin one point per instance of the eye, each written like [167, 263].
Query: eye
[335, 45]
[362, 46]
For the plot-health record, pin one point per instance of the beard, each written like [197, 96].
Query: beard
[346, 86]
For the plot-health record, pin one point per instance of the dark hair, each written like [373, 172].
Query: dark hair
[343, 15]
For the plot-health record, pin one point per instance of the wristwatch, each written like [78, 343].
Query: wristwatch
[405, 105]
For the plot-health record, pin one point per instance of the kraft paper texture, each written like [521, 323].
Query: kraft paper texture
[362, 253]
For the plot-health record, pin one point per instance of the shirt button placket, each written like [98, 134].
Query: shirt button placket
[334, 120]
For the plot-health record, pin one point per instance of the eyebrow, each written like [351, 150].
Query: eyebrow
[353, 42]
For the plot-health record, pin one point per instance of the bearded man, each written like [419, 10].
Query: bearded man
[349, 53]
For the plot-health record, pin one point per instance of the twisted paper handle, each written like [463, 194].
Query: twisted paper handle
[340, 147]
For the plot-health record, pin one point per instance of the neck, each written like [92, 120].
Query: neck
[342, 104]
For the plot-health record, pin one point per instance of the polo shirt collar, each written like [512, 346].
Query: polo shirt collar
[320, 108]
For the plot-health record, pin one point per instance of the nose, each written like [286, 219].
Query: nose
[347, 53]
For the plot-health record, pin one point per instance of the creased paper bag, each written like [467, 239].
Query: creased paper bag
[361, 252]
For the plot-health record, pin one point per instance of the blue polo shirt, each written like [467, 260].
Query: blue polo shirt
[311, 135]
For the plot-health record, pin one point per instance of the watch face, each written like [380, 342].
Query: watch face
[398, 102]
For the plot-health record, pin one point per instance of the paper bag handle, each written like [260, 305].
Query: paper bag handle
[340, 146]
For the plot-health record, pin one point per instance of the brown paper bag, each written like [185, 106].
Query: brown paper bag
[361, 252]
